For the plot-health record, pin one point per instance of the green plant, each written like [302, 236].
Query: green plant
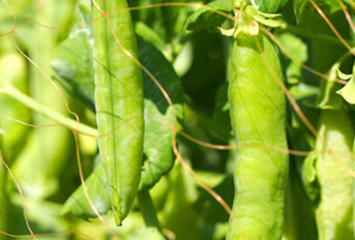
[171, 125]
[257, 106]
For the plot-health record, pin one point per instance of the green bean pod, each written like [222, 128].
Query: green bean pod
[258, 112]
[119, 103]
[334, 160]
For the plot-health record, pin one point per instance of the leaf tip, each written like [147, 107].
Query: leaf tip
[118, 221]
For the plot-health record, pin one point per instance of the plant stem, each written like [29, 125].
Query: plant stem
[54, 156]
[3, 198]
[149, 215]
[53, 115]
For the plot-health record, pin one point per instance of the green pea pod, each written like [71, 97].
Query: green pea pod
[118, 102]
[158, 158]
[76, 75]
[334, 144]
[258, 117]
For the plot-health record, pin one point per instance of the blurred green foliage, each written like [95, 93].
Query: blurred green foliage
[183, 48]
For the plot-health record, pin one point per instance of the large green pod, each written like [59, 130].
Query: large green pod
[258, 112]
[119, 104]
[334, 163]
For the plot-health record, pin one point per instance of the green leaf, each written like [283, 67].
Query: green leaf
[308, 16]
[25, 11]
[147, 208]
[298, 50]
[179, 215]
[268, 19]
[343, 76]
[149, 35]
[304, 91]
[299, 210]
[350, 3]
[174, 19]
[73, 62]
[78, 206]
[328, 97]
[329, 6]
[74, 69]
[298, 140]
[211, 211]
[205, 18]
[348, 91]
[308, 167]
[158, 150]
[268, 6]
[44, 219]
[221, 115]
[309, 176]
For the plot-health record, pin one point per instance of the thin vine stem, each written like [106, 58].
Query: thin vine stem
[13, 92]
